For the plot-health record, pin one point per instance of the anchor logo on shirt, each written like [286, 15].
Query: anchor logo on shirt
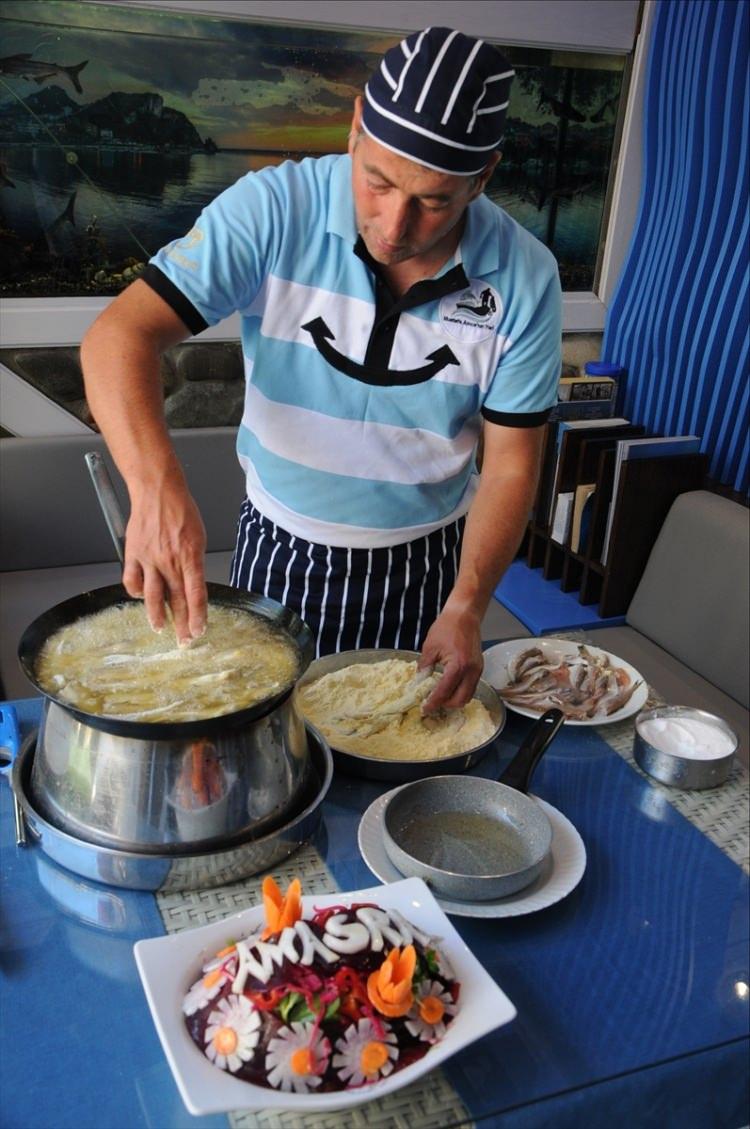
[323, 336]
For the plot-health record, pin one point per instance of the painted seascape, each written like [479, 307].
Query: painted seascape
[118, 125]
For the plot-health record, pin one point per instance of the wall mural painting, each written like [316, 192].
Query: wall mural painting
[117, 125]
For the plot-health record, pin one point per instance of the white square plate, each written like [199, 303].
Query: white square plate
[169, 965]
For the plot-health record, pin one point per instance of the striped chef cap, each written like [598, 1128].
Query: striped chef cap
[439, 98]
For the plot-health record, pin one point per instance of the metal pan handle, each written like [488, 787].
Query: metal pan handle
[519, 772]
[10, 742]
[105, 492]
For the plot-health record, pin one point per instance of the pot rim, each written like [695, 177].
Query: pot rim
[676, 711]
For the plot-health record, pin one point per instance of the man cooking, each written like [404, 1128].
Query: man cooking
[390, 314]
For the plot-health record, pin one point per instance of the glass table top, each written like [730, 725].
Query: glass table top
[632, 992]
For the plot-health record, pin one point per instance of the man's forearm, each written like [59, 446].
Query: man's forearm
[165, 538]
[491, 537]
[121, 363]
[495, 526]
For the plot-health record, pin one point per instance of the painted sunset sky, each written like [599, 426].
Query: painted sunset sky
[246, 85]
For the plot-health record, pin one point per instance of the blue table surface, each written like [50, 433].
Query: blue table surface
[631, 993]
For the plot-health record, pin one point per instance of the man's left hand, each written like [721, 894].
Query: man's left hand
[454, 642]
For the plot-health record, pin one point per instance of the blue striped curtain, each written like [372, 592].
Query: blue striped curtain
[679, 319]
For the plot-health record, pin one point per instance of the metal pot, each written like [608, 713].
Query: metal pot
[176, 868]
[471, 838]
[192, 785]
[374, 768]
[687, 770]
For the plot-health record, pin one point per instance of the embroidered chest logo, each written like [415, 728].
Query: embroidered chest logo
[474, 314]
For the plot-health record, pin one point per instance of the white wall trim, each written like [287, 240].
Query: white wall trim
[626, 192]
[26, 411]
[63, 321]
[573, 25]
[583, 313]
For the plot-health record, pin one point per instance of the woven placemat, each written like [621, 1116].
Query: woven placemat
[720, 813]
[430, 1103]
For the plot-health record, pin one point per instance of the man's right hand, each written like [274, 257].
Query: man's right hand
[164, 549]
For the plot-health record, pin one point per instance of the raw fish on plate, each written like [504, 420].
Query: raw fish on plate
[589, 685]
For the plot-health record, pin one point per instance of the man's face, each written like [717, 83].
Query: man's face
[405, 210]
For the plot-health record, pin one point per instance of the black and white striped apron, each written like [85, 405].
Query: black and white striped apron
[349, 598]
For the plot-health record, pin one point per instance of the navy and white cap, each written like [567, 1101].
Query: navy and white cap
[440, 98]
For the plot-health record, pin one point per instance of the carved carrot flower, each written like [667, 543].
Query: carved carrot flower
[281, 910]
[297, 1058]
[389, 989]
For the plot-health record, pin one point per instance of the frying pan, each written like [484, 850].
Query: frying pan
[220, 595]
[374, 768]
[472, 838]
[143, 785]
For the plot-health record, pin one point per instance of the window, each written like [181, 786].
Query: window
[120, 122]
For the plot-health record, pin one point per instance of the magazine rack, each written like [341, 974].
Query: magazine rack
[645, 492]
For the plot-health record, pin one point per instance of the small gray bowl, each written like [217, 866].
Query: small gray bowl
[682, 771]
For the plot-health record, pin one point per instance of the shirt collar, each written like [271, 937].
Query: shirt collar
[447, 281]
[341, 217]
[480, 252]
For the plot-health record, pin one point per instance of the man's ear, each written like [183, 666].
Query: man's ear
[484, 176]
[356, 126]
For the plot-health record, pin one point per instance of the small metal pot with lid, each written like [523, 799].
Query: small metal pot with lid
[176, 786]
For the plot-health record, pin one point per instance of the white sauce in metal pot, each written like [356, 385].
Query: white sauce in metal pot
[688, 737]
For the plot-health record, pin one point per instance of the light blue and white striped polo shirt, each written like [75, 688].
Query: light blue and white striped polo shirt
[361, 430]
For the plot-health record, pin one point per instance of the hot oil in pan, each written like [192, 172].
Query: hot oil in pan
[113, 664]
[465, 843]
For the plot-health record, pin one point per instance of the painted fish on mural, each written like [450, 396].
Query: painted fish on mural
[67, 215]
[37, 70]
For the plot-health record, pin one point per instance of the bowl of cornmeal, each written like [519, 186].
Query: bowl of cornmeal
[369, 705]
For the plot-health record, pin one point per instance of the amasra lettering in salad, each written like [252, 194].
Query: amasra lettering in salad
[332, 1002]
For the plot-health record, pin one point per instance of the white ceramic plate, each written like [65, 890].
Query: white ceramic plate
[169, 965]
[562, 871]
[496, 661]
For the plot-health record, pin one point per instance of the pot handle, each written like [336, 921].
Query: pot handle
[519, 772]
[105, 492]
[10, 742]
